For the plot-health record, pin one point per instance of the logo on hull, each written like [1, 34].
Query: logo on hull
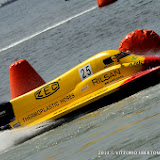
[47, 90]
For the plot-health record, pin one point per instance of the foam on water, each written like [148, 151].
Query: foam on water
[11, 138]
[150, 53]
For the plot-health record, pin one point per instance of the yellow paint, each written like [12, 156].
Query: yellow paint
[70, 91]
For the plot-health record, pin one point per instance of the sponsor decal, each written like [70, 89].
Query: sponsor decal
[144, 62]
[114, 79]
[40, 111]
[84, 88]
[47, 90]
[48, 108]
[108, 77]
[67, 98]
[17, 125]
[136, 63]
[134, 57]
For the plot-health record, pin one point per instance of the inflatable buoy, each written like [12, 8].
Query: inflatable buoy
[102, 3]
[23, 78]
[140, 42]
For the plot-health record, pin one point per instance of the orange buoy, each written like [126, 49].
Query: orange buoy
[102, 3]
[23, 78]
[140, 42]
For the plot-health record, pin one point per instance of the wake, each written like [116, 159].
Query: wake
[11, 138]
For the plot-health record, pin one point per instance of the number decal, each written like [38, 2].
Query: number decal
[85, 72]
[88, 69]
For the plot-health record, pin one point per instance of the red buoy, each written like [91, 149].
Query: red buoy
[102, 3]
[23, 78]
[140, 42]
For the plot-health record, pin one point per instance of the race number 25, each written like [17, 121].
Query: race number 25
[85, 72]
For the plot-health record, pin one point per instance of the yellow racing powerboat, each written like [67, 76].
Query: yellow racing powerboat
[96, 77]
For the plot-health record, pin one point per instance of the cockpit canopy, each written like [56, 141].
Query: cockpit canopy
[116, 57]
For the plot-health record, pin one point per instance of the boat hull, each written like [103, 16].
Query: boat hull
[99, 76]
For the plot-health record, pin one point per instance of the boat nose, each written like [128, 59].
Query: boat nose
[151, 61]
